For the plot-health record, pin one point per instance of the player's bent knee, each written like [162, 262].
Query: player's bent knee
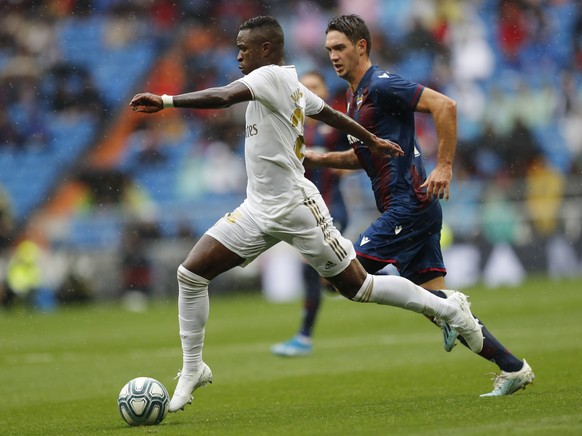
[349, 293]
[350, 280]
[348, 289]
[190, 279]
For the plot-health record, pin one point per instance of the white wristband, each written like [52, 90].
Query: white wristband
[167, 100]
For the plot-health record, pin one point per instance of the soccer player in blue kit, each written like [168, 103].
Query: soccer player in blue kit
[407, 233]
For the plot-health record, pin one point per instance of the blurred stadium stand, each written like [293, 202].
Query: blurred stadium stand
[77, 169]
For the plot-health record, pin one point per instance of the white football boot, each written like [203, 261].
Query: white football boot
[507, 383]
[465, 324]
[187, 384]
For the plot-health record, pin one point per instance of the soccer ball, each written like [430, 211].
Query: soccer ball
[143, 401]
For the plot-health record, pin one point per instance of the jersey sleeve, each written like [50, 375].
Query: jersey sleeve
[262, 83]
[395, 93]
[313, 103]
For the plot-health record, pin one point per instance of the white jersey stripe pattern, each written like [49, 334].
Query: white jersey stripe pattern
[321, 223]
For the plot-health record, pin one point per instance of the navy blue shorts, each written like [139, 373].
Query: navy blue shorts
[409, 242]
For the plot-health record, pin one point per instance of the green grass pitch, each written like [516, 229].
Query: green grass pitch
[375, 370]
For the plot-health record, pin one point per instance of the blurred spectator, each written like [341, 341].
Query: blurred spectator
[164, 15]
[512, 30]
[186, 229]
[145, 144]
[137, 266]
[499, 113]
[500, 218]
[24, 275]
[31, 119]
[464, 213]
[6, 295]
[471, 55]
[577, 40]
[569, 113]
[6, 220]
[76, 92]
[483, 155]
[122, 24]
[76, 282]
[520, 150]
[137, 273]
[224, 171]
[544, 194]
[106, 187]
[420, 38]
[10, 138]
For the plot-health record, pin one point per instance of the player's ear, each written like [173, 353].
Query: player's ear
[361, 46]
[266, 48]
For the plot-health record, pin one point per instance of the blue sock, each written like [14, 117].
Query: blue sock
[492, 350]
[312, 300]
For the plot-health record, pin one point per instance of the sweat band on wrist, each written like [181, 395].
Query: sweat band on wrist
[168, 100]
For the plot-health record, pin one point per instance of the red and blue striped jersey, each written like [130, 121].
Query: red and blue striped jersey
[384, 103]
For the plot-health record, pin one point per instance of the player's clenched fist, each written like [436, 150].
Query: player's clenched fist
[146, 102]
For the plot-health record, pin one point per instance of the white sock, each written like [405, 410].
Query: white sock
[400, 292]
[193, 309]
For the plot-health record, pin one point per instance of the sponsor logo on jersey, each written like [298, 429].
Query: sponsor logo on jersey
[251, 130]
[364, 241]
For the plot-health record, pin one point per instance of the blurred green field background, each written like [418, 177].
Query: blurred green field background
[375, 370]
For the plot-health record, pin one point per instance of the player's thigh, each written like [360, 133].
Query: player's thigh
[241, 234]
[210, 257]
[310, 229]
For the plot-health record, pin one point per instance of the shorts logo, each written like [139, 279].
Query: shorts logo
[397, 229]
[329, 265]
[364, 241]
[232, 216]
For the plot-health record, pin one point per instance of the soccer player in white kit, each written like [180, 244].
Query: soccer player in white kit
[281, 203]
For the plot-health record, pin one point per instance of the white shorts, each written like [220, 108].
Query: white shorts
[308, 227]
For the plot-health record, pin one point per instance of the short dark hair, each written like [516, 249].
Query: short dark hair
[272, 29]
[354, 27]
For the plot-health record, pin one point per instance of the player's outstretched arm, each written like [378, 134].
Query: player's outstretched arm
[346, 160]
[340, 121]
[211, 98]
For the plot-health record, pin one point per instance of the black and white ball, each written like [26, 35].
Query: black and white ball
[143, 401]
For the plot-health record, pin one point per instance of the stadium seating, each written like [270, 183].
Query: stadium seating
[29, 174]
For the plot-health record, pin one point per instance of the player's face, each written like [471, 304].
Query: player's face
[249, 51]
[343, 54]
[315, 85]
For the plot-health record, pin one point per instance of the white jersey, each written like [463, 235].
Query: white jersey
[274, 143]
